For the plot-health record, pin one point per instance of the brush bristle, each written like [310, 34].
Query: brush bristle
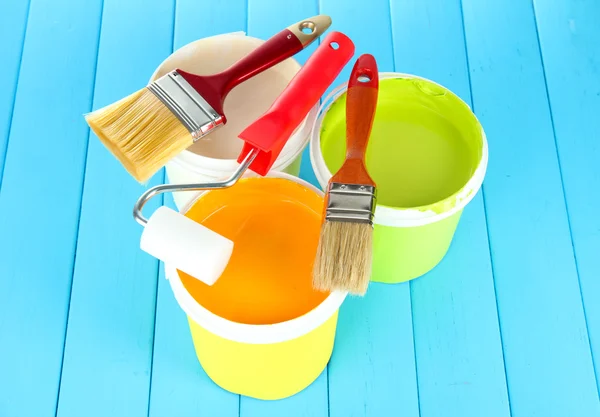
[344, 255]
[141, 132]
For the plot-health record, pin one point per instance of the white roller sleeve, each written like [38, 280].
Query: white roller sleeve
[187, 245]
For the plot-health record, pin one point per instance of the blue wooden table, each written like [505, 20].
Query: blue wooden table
[507, 325]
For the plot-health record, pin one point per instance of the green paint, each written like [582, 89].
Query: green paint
[403, 253]
[424, 147]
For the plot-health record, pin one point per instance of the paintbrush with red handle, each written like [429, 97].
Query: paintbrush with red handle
[146, 129]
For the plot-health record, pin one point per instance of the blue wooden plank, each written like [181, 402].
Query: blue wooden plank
[310, 402]
[460, 366]
[369, 29]
[40, 200]
[429, 42]
[13, 23]
[372, 371]
[216, 19]
[570, 45]
[108, 347]
[546, 347]
[313, 400]
[180, 387]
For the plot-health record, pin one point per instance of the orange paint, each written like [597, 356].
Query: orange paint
[275, 225]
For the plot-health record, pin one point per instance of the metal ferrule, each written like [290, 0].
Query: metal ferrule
[350, 203]
[186, 104]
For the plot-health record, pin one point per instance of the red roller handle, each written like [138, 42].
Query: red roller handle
[271, 131]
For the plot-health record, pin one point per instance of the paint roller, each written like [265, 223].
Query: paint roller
[179, 240]
[194, 248]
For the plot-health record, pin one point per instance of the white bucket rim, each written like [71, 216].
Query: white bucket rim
[204, 165]
[254, 333]
[395, 216]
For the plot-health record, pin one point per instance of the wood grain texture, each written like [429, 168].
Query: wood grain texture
[13, 24]
[570, 46]
[108, 349]
[507, 325]
[374, 333]
[458, 347]
[313, 400]
[546, 347]
[40, 200]
[372, 371]
[179, 385]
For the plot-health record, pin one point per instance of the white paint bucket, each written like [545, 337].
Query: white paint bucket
[214, 157]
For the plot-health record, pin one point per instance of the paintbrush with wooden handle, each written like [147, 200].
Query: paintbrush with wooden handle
[344, 254]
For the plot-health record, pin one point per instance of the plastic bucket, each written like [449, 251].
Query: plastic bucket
[270, 360]
[428, 155]
[214, 156]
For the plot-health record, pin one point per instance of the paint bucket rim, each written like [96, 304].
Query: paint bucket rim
[254, 333]
[395, 216]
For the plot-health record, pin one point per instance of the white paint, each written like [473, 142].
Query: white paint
[214, 157]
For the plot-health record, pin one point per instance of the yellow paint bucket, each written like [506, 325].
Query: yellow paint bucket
[261, 330]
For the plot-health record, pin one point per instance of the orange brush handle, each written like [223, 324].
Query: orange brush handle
[361, 102]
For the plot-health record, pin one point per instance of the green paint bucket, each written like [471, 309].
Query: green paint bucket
[428, 156]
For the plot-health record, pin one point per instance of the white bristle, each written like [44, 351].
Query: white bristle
[344, 256]
[141, 132]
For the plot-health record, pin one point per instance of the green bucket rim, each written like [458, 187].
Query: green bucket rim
[400, 216]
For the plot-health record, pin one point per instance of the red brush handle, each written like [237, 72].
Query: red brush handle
[288, 42]
[361, 102]
[279, 47]
[271, 131]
